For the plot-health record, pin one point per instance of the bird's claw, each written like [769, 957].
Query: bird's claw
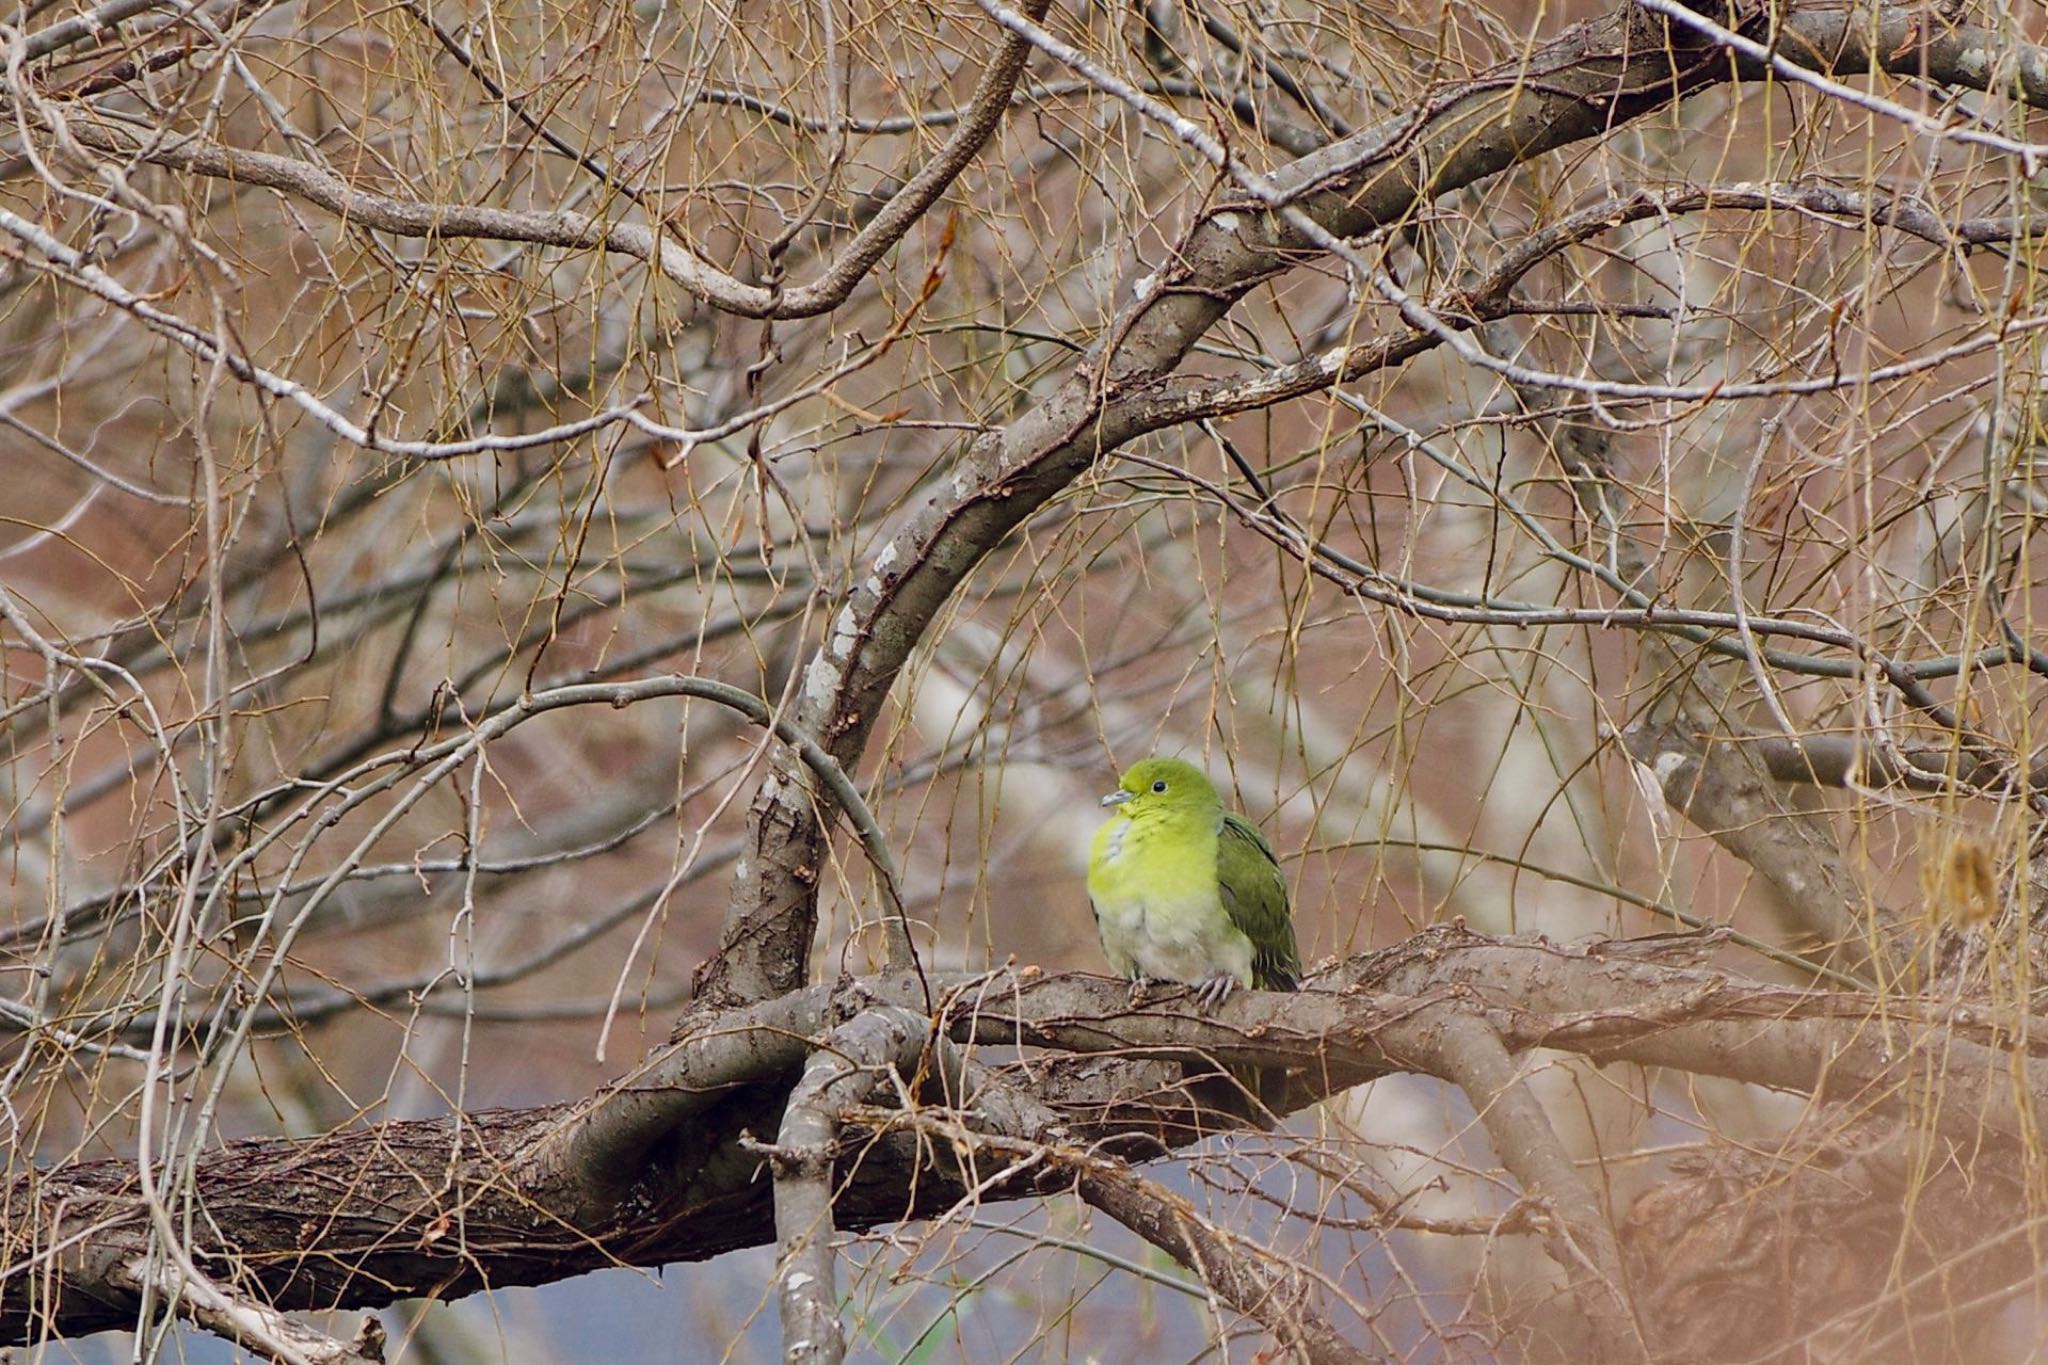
[1207, 994]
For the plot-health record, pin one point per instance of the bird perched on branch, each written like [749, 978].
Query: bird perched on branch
[1186, 891]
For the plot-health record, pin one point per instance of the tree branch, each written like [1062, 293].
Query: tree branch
[654, 1170]
[677, 261]
[1579, 1233]
[250, 1325]
[1268, 1289]
[838, 1074]
[1371, 179]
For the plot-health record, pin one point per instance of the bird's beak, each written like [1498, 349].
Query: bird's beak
[1117, 798]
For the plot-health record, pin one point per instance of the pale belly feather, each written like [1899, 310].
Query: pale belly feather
[1162, 936]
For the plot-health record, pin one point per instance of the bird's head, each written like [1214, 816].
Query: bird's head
[1160, 787]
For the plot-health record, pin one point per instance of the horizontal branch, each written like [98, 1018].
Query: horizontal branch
[655, 1169]
[1855, 760]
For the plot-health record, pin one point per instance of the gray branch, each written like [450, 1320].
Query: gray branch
[1579, 1234]
[838, 1074]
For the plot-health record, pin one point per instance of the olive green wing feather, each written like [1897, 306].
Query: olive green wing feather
[1254, 895]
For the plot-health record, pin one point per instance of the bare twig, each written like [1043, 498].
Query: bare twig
[247, 1322]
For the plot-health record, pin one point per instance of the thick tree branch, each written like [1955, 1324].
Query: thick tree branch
[656, 1169]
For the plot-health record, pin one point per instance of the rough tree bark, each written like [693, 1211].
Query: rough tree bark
[365, 1216]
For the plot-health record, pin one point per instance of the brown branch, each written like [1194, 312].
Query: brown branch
[714, 1055]
[1272, 1294]
[655, 1170]
[1610, 1001]
[677, 261]
[1489, 296]
[1264, 1287]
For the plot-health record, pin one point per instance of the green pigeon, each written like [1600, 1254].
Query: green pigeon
[1187, 891]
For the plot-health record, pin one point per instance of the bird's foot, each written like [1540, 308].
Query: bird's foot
[1213, 992]
[1138, 985]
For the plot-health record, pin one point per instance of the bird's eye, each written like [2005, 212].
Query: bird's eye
[1160, 785]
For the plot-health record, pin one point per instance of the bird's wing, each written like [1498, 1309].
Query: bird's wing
[1254, 895]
